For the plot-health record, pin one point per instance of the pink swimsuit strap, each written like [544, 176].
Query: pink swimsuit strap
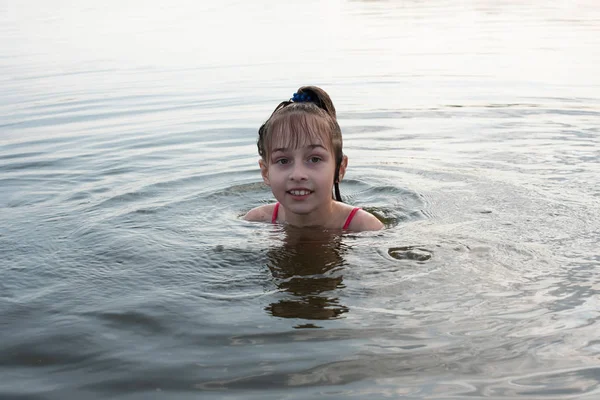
[349, 219]
[346, 224]
[275, 211]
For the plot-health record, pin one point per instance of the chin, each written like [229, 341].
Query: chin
[301, 209]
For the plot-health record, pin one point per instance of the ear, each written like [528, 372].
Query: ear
[264, 171]
[343, 167]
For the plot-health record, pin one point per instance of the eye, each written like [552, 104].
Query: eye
[282, 161]
[314, 159]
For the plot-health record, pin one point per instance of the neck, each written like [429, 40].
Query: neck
[322, 217]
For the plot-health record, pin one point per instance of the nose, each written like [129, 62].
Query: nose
[298, 172]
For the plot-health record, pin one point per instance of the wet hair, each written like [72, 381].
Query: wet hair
[311, 117]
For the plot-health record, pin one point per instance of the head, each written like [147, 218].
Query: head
[307, 118]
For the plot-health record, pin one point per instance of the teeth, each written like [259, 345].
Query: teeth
[299, 192]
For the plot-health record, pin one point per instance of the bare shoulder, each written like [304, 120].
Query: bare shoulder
[365, 221]
[260, 213]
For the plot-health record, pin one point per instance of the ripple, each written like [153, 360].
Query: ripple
[410, 253]
[132, 320]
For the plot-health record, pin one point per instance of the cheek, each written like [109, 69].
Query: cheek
[327, 175]
[277, 177]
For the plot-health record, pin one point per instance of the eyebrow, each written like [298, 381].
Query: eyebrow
[310, 146]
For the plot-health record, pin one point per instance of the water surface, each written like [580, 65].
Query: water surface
[127, 156]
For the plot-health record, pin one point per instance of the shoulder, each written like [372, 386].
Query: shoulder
[260, 213]
[365, 221]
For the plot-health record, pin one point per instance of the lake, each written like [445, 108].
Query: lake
[128, 157]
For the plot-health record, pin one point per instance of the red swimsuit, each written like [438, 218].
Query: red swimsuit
[346, 224]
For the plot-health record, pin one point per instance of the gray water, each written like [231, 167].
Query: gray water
[128, 156]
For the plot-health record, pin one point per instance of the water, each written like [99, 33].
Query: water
[127, 156]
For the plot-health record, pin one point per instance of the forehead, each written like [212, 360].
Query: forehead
[299, 130]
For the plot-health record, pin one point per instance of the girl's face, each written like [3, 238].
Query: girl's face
[301, 177]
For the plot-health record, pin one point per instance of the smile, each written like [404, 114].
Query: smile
[299, 192]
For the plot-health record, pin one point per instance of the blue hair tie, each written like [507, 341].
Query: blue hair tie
[301, 98]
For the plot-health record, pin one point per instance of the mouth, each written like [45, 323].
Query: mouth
[299, 192]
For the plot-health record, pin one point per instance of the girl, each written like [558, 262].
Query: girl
[302, 161]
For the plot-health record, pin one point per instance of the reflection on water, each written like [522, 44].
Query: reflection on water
[308, 267]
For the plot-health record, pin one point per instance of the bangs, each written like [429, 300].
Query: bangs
[298, 129]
